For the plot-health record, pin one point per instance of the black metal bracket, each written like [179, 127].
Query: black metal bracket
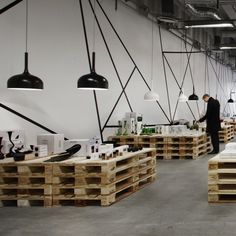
[9, 6]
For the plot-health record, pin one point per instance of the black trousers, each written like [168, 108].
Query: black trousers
[215, 141]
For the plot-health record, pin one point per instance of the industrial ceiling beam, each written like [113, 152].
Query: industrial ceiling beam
[9, 6]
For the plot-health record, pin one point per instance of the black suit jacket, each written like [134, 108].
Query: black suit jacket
[212, 116]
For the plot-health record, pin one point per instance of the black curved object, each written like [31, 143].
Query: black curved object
[64, 156]
[1, 154]
[11, 153]
[19, 156]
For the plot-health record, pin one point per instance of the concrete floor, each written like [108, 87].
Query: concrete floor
[176, 204]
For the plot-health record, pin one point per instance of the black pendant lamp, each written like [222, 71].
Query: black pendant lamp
[25, 81]
[193, 97]
[92, 81]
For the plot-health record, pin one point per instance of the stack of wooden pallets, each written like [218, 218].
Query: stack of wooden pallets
[171, 147]
[75, 181]
[231, 123]
[226, 133]
[221, 180]
[25, 183]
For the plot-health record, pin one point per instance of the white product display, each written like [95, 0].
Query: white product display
[85, 146]
[106, 149]
[54, 142]
[17, 137]
[83, 150]
[121, 149]
[89, 147]
[175, 130]
[134, 122]
[41, 150]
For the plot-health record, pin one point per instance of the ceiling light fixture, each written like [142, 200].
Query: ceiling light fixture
[182, 97]
[25, 81]
[219, 24]
[92, 81]
[151, 95]
[193, 97]
[230, 99]
[227, 47]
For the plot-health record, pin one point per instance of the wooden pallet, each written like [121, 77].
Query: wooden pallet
[221, 180]
[233, 123]
[124, 191]
[226, 133]
[39, 183]
[101, 182]
[174, 147]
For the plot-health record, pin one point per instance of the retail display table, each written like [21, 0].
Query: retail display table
[76, 181]
[169, 147]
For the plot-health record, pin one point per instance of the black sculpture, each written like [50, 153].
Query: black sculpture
[11, 153]
[1, 154]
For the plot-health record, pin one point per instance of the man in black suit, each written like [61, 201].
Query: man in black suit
[212, 118]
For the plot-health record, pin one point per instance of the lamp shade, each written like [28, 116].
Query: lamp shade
[25, 81]
[230, 100]
[92, 81]
[193, 97]
[151, 96]
[183, 97]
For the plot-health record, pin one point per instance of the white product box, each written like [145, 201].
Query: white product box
[41, 148]
[106, 149]
[122, 149]
[54, 142]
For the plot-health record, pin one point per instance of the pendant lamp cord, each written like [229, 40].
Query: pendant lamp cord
[26, 26]
[94, 26]
[152, 57]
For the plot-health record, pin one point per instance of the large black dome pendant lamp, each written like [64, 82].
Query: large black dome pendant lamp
[25, 81]
[92, 81]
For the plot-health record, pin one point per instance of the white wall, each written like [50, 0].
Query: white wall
[57, 55]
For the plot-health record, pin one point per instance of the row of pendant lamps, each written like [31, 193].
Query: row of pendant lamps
[152, 96]
[91, 81]
[26, 81]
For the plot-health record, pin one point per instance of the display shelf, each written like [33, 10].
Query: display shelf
[171, 147]
[226, 133]
[75, 181]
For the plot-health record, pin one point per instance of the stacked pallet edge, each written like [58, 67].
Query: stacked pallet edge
[75, 182]
[169, 147]
[221, 180]
[226, 133]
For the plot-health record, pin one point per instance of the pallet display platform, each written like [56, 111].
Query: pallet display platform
[233, 123]
[221, 179]
[76, 180]
[226, 133]
[170, 147]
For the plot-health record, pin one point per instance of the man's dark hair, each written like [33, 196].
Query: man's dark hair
[205, 96]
